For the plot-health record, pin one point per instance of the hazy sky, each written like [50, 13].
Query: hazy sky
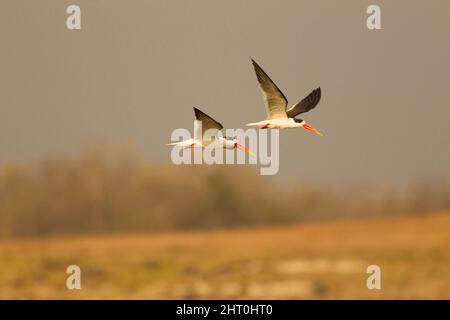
[137, 68]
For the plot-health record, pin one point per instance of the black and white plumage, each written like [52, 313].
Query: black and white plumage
[206, 135]
[278, 116]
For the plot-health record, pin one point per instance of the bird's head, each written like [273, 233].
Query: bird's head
[233, 143]
[302, 124]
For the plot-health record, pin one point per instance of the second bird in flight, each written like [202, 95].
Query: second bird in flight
[276, 103]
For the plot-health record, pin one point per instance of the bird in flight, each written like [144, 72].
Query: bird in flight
[276, 104]
[204, 126]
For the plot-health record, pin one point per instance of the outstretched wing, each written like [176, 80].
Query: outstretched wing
[306, 104]
[207, 122]
[274, 99]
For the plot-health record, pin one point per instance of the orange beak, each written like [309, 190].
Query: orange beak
[311, 128]
[244, 148]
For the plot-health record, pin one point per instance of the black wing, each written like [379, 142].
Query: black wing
[306, 104]
[207, 121]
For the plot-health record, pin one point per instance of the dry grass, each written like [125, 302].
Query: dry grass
[315, 260]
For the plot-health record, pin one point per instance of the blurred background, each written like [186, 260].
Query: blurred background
[86, 178]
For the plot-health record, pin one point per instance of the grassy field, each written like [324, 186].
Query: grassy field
[315, 260]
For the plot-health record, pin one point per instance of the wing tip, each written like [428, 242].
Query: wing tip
[255, 64]
[199, 113]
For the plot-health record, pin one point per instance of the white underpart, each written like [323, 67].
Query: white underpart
[199, 141]
[279, 123]
[191, 143]
[222, 142]
[218, 143]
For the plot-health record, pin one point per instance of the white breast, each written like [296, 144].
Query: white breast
[282, 123]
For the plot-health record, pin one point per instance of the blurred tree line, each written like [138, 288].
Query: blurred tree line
[99, 192]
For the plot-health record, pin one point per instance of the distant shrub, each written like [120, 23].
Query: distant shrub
[98, 192]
